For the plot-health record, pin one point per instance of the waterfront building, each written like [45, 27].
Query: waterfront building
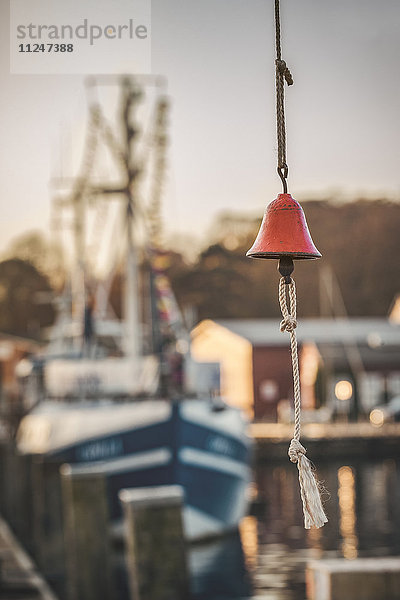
[348, 366]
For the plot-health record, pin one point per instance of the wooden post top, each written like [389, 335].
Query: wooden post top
[153, 496]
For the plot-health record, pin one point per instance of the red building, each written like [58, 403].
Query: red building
[347, 366]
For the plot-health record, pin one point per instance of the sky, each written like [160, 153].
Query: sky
[218, 56]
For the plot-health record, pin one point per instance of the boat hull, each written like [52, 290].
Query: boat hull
[151, 443]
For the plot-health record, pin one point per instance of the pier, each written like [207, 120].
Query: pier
[366, 578]
[328, 440]
[276, 547]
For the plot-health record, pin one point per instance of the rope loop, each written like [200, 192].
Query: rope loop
[289, 321]
[296, 450]
[284, 70]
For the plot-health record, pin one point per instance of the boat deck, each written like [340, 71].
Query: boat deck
[19, 577]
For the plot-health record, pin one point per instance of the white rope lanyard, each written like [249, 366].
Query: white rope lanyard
[314, 515]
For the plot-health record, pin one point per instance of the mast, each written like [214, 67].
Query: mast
[154, 215]
[125, 155]
[76, 200]
[132, 344]
[78, 283]
[123, 152]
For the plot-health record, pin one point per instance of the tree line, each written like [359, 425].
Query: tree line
[358, 274]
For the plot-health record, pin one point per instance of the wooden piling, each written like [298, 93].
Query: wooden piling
[48, 546]
[16, 491]
[86, 534]
[366, 578]
[155, 546]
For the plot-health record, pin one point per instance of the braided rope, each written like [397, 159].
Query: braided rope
[289, 324]
[314, 515]
[282, 74]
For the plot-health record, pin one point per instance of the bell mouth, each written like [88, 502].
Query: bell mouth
[277, 256]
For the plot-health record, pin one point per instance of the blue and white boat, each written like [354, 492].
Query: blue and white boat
[153, 442]
[103, 402]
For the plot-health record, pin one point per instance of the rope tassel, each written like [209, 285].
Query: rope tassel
[314, 515]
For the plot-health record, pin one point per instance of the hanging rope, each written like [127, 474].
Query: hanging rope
[314, 515]
[282, 74]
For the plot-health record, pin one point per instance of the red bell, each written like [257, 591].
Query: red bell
[284, 232]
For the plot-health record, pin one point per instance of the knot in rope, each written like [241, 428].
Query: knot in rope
[296, 450]
[288, 324]
[283, 69]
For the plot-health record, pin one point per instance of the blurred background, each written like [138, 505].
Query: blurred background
[219, 174]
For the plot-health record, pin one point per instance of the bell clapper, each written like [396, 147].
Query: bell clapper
[286, 268]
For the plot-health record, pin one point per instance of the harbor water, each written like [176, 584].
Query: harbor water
[267, 558]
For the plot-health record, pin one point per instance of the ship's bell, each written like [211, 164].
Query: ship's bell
[284, 232]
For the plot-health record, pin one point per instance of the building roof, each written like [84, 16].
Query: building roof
[374, 332]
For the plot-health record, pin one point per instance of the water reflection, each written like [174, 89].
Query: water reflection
[347, 506]
[248, 531]
[364, 520]
[219, 570]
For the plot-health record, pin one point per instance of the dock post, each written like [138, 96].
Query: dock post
[48, 547]
[16, 491]
[366, 578]
[6, 480]
[86, 534]
[22, 522]
[155, 546]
